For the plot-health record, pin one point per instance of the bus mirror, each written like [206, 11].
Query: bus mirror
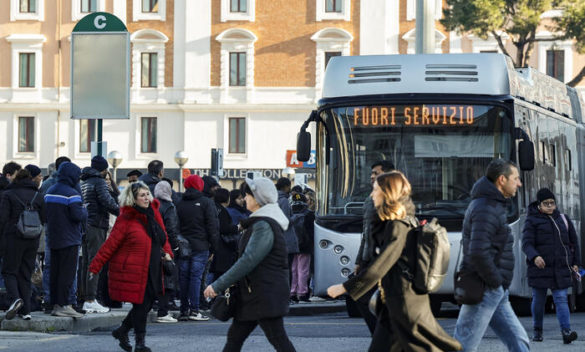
[303, 145]
[526, 155]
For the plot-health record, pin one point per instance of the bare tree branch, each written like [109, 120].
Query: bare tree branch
[578, 78]
[501, 43]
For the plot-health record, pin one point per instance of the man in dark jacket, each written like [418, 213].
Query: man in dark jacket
[65, 216]
[155, 173]
[100, 204]
[487, 250]
[283, 186]
[8, 171]
[199, 225]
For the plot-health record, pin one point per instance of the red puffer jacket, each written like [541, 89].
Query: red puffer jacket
[128, 251]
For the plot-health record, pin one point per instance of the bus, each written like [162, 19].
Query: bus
[440, 119]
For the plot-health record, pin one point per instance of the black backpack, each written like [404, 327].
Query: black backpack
[29, 223]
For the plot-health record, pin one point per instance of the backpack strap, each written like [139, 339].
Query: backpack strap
[565, 221]
[25, 206]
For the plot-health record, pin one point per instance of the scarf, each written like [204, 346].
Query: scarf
[155, 232]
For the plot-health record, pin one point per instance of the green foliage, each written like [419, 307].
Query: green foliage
[572, 23]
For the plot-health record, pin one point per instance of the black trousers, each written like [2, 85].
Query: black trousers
[92, 241]
[17, 268]
[382, 336]
[137, 316]
[273, 329]
[63, 270]
[362, 305]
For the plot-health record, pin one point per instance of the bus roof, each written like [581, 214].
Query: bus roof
[471, 74]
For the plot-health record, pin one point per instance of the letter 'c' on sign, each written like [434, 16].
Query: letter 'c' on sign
[100, 22]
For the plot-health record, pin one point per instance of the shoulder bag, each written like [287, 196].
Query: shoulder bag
[224, 305]
[469, 286]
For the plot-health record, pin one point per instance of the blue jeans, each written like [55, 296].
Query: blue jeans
[496, 312]
[47, 275]
[190, 275]
[561, 305]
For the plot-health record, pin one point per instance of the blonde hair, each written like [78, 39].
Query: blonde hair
[396, 190]
[128, 196]
[311, 195]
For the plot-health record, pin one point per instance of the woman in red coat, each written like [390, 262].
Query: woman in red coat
[137, 244]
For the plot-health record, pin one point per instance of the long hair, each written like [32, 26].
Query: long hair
[396, 190]
[128, 196]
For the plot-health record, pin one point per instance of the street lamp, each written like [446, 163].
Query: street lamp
[181, 158]
[115, 159]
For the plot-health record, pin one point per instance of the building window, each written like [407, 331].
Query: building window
[329, 55]
[150, 6]
[28, 6]
[237, 135]
[238, 5]
[87, 134]
[555, 64]
[88, 6]
[149, 69]
[148, 142]
[237, 69]
[26, 134]
[333, 5]
[26, 70]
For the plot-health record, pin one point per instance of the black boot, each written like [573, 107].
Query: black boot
[537, 335]
[121, 334]
[568, 336]
[140, 347]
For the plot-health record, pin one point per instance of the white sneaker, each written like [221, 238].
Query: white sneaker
[198, 316]
[94, 307]
[25, 317]
[166, 319]
[317, 299]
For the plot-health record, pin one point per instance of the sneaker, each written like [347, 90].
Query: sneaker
[66, 311]
[184, 316]
[303, 298]
[25, 317]
[79, 309]
[14, 307]
[568, 336]
[173, 306]
[317, 299]
[94, 307]
[198, 316]
[537, 337]
[166, 319]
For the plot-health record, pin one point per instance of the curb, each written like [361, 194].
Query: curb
[41, 322]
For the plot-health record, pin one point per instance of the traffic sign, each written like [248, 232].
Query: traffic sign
[100, 68]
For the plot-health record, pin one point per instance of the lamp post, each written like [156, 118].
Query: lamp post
[181, 158]
[115, 159]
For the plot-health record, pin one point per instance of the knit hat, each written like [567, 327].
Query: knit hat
[99, 163]
[544, 194]
[263, 189]
[299, 197]
[33, 170]
[194, 181]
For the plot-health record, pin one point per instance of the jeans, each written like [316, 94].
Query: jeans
[496, 312]
[190, 275]
[561, 305]
[47, 275]
[273, 329]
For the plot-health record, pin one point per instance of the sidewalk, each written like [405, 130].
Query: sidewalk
[41, 322]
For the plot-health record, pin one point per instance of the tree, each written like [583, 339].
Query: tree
[518, 19]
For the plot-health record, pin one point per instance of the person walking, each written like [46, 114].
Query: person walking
[261, 271]
[198, 223]
[155, 172]
[226, 251]
[414, 328]
[65, 218]
[135, 250]
[552, 252]
[19, 260]
[302, 220]
[237, 207]
[487, 250]
[100, 204]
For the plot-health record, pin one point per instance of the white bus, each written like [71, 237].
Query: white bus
[440, 119]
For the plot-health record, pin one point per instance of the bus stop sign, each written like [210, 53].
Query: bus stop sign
[100, 68]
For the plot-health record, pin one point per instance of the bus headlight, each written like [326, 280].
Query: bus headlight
[345, 272]
[344, 260]
[338, 249]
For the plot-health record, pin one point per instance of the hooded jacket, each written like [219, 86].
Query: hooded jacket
[292, 243]
[198, 221]
[487, 238]
[65, 212]
[11, 205]
[262, 267]
[97, 198]
[150, 180]
[547, 236]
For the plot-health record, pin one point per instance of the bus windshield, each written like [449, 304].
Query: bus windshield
[441, 148]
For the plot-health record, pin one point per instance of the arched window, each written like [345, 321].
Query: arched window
[330, 42]
[148, 58]
[237, 58]
[410, 38]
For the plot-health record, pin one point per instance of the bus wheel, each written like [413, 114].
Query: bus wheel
[352, 309]
[521, 306]
[435, 305]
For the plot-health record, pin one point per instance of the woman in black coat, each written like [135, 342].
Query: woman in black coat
[226, 250]
[409, 313]
[550, 243]
[19, 259]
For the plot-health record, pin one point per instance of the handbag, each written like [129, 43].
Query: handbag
[469, 287]
[170, 275]
[184, 247]
[224, 305]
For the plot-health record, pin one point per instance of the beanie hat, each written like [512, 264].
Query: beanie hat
[544, 194]
[263, 189]
[194, 181]
[210, 181]
[99, 163]
[299, 197]
[33, 170]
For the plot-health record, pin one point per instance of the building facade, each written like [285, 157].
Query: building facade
[241, 75]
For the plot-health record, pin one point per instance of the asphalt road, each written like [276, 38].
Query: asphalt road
[334, 332]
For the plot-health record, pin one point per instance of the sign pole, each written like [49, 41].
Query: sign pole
[99, 136]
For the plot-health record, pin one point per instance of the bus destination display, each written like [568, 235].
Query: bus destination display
[413, 115]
